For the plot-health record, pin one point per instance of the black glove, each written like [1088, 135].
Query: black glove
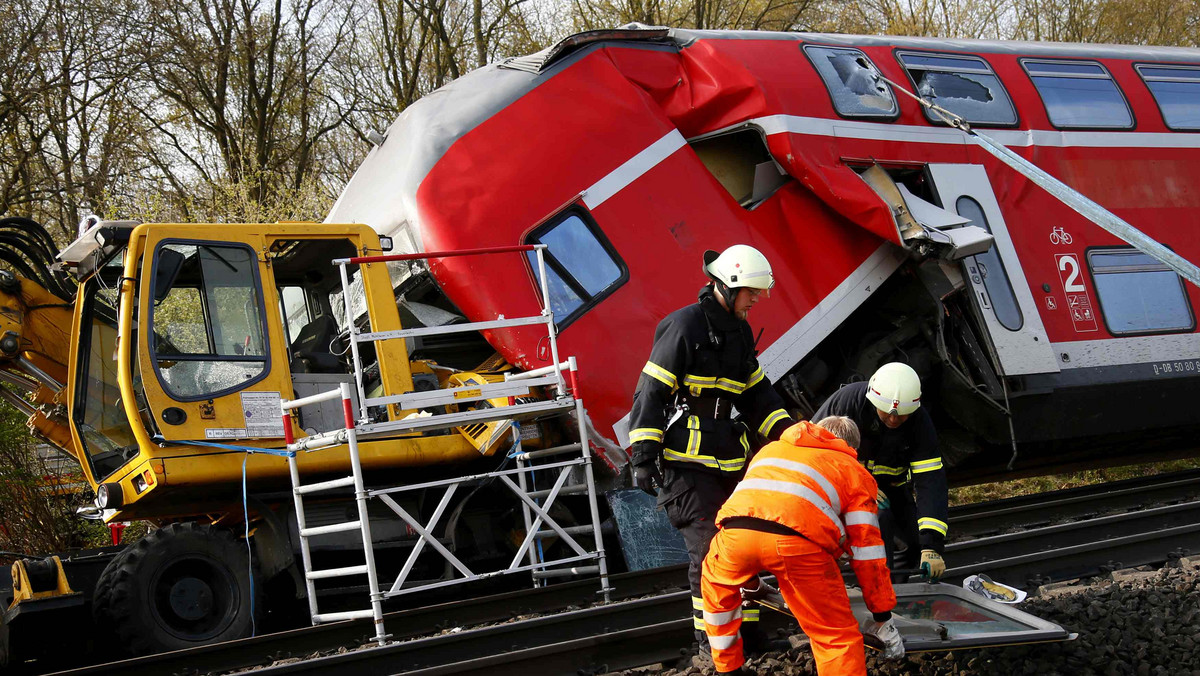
[646, 477]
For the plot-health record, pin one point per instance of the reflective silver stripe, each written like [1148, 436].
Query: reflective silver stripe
[771, 420]
[726, 617]
[660, 374]
[926, 465]
[930, 523]
[803, 492]
[645, 434]
[723, 642]
[868, 553]
[809, 471]
[861, 518]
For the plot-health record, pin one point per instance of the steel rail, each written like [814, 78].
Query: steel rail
[401, 625]
[990, 517]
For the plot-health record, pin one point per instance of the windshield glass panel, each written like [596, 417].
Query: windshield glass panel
[100, 418]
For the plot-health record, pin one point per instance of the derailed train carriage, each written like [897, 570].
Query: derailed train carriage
[1044, 342]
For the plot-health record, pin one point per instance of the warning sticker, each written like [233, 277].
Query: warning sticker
[1079, 303]
[263, 415]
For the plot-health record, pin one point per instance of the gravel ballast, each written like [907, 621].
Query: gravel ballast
[1141, 623]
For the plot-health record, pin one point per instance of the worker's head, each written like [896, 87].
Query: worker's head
[843, 428]
[740, 275]
[895, 391]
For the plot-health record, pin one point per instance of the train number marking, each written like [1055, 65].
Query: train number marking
[1071, 284]
[1079, 303]
[1176, 367]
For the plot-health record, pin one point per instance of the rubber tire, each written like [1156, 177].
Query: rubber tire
[181, 586]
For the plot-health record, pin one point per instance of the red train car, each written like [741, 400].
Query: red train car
[629, 152]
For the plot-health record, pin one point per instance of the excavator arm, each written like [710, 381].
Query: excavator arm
[36, 312]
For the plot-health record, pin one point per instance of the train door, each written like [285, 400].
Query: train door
[999, 289]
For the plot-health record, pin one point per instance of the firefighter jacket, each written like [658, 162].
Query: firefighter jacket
[811, 482]
[898, 456]
[703, 358]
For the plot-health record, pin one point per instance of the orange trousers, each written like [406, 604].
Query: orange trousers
[809, 580]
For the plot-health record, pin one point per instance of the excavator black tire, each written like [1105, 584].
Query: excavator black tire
[183, 585]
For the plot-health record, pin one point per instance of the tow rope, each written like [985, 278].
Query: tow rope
[1064, 193]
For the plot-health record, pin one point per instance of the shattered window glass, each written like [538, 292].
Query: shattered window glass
[963, 85]
[1138, 293]
[1079, 94]
[852, 81]
[1177, 91]
[581, 266]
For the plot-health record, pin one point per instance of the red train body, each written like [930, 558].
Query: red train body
[630, 152]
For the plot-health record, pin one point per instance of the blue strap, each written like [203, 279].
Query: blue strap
[283, 453]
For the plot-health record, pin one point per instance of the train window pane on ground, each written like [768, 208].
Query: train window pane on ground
[208, 327]
[581, 266]
[1079, 94]
[1138, 294]
[989, 267]
[1176, 89]
[962, 85]
[853, 82]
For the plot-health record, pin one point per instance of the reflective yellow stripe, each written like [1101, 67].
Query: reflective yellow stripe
[660, 374]
[696, 384]
[698, 602]
[755, 377]
[693, 426]
[750, 615]
[698, 624]
[745, 444]
[733, 465]
[645, 434]
[890, 471]
[776, 416]
[930, 523]
[926, 465]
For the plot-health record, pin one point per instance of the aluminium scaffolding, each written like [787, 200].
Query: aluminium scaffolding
[560, 462]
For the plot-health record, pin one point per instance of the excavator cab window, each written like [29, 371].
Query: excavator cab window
[306, 280]
[209, 327]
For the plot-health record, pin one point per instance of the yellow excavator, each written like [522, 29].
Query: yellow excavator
[157, 355]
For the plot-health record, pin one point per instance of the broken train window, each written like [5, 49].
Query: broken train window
[963, 85]
[853, 82]
[582, 267]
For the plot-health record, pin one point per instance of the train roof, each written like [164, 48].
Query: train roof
[382, 192]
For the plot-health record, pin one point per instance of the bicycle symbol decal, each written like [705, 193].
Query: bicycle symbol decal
[1060, 236]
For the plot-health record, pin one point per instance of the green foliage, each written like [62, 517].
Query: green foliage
[39, 496]
[966, 495]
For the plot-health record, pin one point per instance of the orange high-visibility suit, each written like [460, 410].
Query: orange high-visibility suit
[804, 502]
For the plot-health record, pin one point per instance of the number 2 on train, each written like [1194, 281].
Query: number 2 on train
[1071, 282]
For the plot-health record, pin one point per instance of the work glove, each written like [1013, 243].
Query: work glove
[932, 565]
[646, 477]
[763, 590]
[886, 636]
[881, 500]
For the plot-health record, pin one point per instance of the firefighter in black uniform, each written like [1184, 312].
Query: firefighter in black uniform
[702, 365]
[899, 446]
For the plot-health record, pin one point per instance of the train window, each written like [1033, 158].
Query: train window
[853, 82]
[991, 270]
[1138, 293]
[1176, 89]
[742, 164]
[963, 85]
[582, 268]
[1079, 94]
[209, 328]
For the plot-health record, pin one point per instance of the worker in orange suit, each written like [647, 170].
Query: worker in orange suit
[804, 502]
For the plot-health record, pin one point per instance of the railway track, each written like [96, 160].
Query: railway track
[639, 631]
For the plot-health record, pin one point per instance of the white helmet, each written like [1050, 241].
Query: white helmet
[895, 389]
[739, 266]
